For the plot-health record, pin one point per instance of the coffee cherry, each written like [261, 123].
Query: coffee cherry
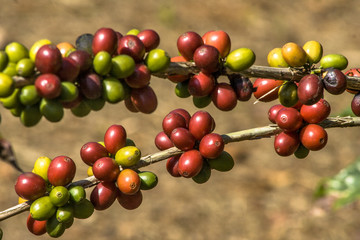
[313, 137]
[149, 180]
[334, 81]
[105, 39]
[187, 43]
[314, 51]
[77, 194]
[30, 115]
[36, 227]
[130, 202]
[223, 163]
[224, 97]
[240, 59]
[171, 121]
[183, 113]
[128, 182]
[115, 138]
[182, 139]
[337, 61]
[59, 196]
[64, 48]
[190, 163]
[83, 209]
[273, 111]
[219, 39]
[48, 85]
[7, 85]
[157, 60]
[82, 58]
[140, 77]
[355, 104]
[103, 195]
[48, 59]
[200, 124]
[317, 112]
[128, 156]
[310, 89]
[242, 86]
[84, 42]
[201, 84]
[262, 86]
[92, 151]
[289, 119]
[91, 86]
[106, 169]
[144, 99]
[41, 166]
[25, 67]
[202, 102]
[211, 145]
[149, 38]
[102, 63]
[288, 94]
[276, 59]
[61, 171]
[29, 95]
[113, 90]
[69, 70]
[42, 208]
[286, 143]
[30, 186]
[130, 106]
[65, 215]
[131, 45]
[163, 142]
[207, 58]
[122, 66]
[172, 166]
[293, 54]
[51, 109]
[16, 51]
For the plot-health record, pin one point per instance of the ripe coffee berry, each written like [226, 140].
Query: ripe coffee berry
[182, 139]
[190, 163]
[286, 143]
[211, 145]
[171, 121]
[313, 137]
[200, 124]
[317, 112]
[289, 119]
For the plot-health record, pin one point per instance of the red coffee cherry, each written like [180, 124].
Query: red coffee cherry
[224, 97]
[30, 186]
[48, 85]
[140, 77]
[211, 145]
[242, 86]
[92, 151]
[187, 43]
[131, 45]
[172, 166]
[201, 84]
[219, 39]
[163, 142]
[128, 181]
[289, 119]
[190, 163]
[105, 39]
[103, 195]
[115, 138]
[317, 112]
[36, 227]
[310, 89]
[286, 143]
[130, 202]
[182, 139]
[200, 124]
[149, 38]
[183, 113]
[313, 137]
[61, 171]
[207, 58]
[106, 169]
[334, 81]
[273, 111]
[355, 104]
[171, 121]
[262, 86]
[144, 99]
[48, 59]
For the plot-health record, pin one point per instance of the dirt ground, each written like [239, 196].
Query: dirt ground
[265, 196]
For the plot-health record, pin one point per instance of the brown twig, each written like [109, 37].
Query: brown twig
[243, 135]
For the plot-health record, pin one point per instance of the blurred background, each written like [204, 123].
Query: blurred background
[264, 196]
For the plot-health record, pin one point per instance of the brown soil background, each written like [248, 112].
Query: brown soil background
[265, 196]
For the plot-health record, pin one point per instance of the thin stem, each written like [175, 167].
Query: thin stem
[243, 135]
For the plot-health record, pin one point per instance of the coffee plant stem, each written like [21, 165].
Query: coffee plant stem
[248, 134]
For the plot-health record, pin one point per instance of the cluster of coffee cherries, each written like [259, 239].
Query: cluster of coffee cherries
[203, 149]
[211, 53]
[110, 162]
[55, 201]
[102, 67]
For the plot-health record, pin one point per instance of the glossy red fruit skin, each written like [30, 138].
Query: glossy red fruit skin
[219, 39]
[69, 70]
[242, 86]
[61, 171]
[115, 138]
[201, 84]
[187, 43]
[48, 85]
[103, 195]
[183, 113]
[131, 45]
[310, 89]
[140, 78]
[106, 169]
[211, 145]
[149, 38]
[130, 106]
[144, 99]
[190, 163]
[207, 58]
[224, 97]
[105, 39]
[36, 227]
[334, 81]
[30, 186]
[163, 142]
[355, 104]
[48, 59]
[273, 111]
[172, 166]
[286, 143]
[130, 202]
[313, 137]
[171, 121]
[92, 151]
[289, 119]
[200, 124]
[261, 86]
[91, 86]
[317, 112]
[83, 59]
[176, 78]
[182, 139]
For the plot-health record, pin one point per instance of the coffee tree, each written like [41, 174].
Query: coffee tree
[108, 67]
